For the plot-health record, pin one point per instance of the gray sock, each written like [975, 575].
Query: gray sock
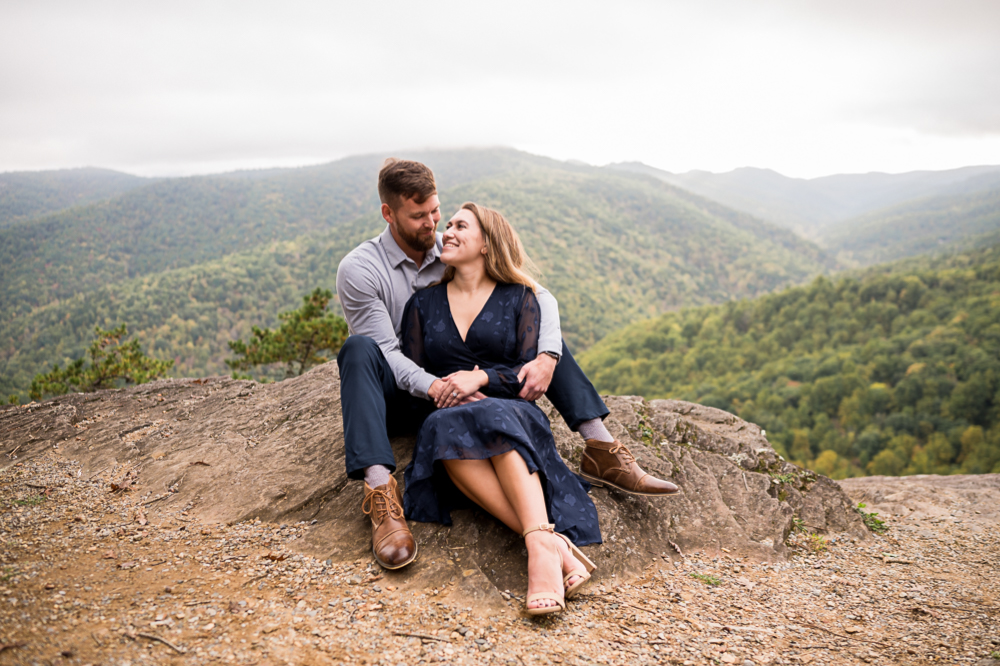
[377, 475]
[594, 429]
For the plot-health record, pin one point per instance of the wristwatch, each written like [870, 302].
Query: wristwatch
[553, 355]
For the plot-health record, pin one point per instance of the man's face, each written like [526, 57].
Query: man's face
[415, 224]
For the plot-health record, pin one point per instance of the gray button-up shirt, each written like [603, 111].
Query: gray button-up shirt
[375, 281]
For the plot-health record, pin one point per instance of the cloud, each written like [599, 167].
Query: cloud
[182, 87]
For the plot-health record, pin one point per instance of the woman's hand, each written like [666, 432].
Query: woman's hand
[460, 385]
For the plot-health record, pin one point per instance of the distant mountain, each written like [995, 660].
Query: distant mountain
[179, 222]
[891, 370]
[923, 226]
[192, 263]
[815, 206]
[28, 194]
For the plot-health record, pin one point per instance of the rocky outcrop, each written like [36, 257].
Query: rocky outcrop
[231, 450]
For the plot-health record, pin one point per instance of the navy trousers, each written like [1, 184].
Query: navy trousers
[375, 409]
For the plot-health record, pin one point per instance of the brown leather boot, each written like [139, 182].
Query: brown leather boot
[611, 463]
[392, 542]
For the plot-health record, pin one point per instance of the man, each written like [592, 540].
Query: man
[378, 383]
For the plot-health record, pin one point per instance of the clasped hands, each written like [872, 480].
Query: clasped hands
[464, 386]
[458, 388]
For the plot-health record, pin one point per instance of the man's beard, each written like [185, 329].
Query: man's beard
[416, 242]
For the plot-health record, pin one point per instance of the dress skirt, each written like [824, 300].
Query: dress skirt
[481, 430]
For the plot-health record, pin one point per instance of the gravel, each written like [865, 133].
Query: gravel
[90, 575]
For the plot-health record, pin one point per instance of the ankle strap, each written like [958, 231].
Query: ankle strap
[545, 527]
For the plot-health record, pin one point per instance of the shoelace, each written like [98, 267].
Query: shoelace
[382, 503]
[626, 454]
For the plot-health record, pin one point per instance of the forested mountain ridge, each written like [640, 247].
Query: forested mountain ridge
[923, 226]
[184, 221]
[812, 207]
[613, 248]
[165, 225]
[895, 370]
[29, 194]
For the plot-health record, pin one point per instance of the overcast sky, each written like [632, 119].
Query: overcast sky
[805, 88]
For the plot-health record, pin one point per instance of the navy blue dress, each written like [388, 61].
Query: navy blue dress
[502, 338]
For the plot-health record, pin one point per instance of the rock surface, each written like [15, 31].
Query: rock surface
[973, 498]
[230, 451]
[86, 577]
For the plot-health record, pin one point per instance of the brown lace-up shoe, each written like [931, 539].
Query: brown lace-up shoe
[392, 542]
[612, 464]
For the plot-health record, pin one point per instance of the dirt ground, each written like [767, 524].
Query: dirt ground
[91, 572]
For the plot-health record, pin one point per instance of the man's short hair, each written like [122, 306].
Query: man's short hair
[405, 179]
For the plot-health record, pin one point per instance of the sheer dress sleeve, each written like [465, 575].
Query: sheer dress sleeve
[412, 344]
[503, 378]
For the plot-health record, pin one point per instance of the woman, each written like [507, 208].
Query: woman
[476, 329]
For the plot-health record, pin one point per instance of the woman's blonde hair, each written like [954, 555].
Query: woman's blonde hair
[506, 260]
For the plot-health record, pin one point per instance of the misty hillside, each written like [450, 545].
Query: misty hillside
[192, 263]
[28, 194]
[179, 222]
[814, 207]
[917, 227]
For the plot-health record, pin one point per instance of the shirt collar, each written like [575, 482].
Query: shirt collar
[397, 256]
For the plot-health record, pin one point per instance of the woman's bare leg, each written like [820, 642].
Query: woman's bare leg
[479, 481]
[524, 492]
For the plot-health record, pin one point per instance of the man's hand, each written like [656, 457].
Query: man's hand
[536, 375]
[436, 390]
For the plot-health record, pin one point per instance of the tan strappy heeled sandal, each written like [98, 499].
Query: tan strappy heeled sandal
[558, 597]
[584, 575]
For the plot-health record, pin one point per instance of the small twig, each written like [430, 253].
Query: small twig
[157, 499]
[156, 564]
[10, 454]
[424, 636]
[11, 646]
[254, 580]
[188, 580]
[593, 595]
[153, 637]
[736, 627]
[98, 472]
[646, 610]
[51, 485]
[200, 603]
[96, 640]
[745, 482]
[833, 633]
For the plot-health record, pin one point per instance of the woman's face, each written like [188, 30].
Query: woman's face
[462, 239]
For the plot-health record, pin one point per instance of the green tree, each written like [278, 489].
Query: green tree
[299, 340]
[112, 363]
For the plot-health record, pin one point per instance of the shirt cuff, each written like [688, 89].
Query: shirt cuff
[554, 352]
[422, 385]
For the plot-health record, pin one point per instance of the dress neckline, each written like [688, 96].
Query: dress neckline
[451, 317]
